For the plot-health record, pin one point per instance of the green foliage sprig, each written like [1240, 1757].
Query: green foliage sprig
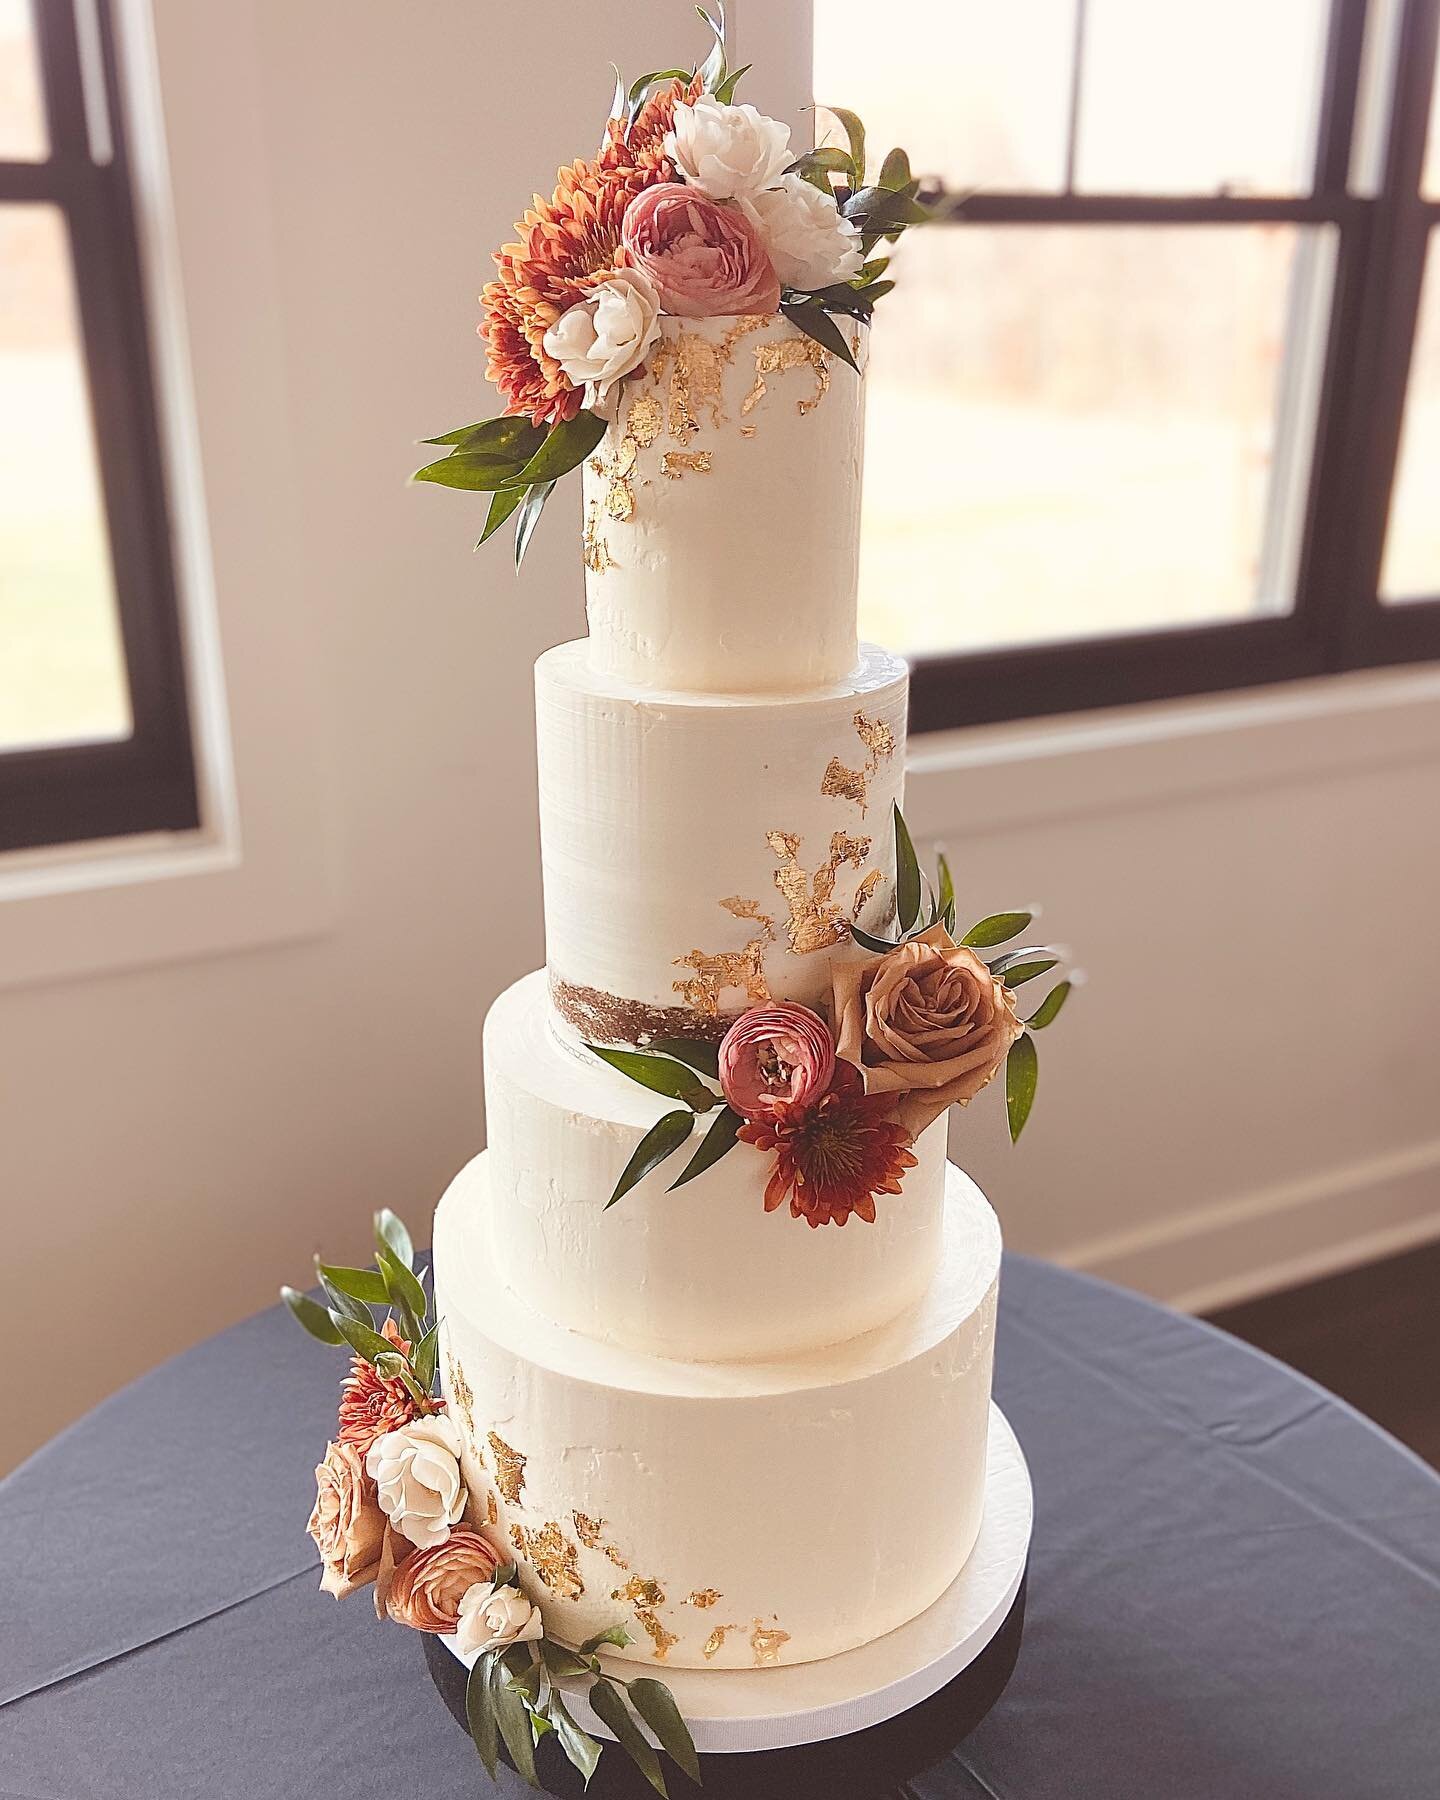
[357, 1300]
[921, 904]
[514, 1697]
[674, 1072]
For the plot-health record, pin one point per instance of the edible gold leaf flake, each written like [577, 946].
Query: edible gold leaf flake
[679, 463]
[716, 972]
[662, 1639]
[703, 1597]
[789, 353]
[640, 1590]
[615, 1556]
[552, 1556]
[492, 1511]
[843, 783]
[461, 1394]
[594, 549]
[877, 737]
[816, 921]
[509, 1468]
[767, 1641]
[588, 1530]
[862, 893]
[747, 431]
[854, 784]
[716, 1641]
[644, 420]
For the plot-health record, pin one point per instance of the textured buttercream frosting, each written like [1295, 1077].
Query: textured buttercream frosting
[705, 1272]
[702, 851]
[722, 512]
[731, 1513]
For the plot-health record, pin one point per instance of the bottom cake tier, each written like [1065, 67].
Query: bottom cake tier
[730, 1514]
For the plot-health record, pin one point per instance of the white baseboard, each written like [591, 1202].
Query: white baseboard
[1296, 1231]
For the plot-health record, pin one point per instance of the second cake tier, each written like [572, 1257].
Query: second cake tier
[703, 853]
[703, 1272]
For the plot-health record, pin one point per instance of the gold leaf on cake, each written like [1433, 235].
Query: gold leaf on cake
[696, 370]
[703, 1597]
[645, 420]
[492, 1511]
[862, 893]
[588, 1530]
[767, 1641]
[460, 1393]
[553, 1557]
[640, 1590]
[716, 1641]
[594, 548]
[715, 972]
[816, 921]
[662, 1639]
[854, 784]
[509, 1468]
[789, 353]
[678, 463]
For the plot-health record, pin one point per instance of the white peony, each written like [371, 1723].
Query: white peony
[416, 1472]
[604, 337]
[810, 242]
[490, 1616]
[728, 152]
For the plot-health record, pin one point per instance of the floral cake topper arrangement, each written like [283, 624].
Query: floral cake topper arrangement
[695, 206]
[390, 1506]
[920, 1024]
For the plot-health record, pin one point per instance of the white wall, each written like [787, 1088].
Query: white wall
[213, 1078]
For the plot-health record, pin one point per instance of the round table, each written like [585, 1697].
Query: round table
[1234, 1587]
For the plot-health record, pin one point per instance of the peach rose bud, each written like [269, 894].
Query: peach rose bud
[425, 1590]
[347, 1523]
[704, 259]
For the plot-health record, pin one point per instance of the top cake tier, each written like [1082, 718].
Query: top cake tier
[722, 513]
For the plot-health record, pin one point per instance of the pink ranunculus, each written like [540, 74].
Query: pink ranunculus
[706, 259]
[775, 1056]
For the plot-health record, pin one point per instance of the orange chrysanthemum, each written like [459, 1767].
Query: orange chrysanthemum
[834, 1155]
[371, 1403]
[564, 247]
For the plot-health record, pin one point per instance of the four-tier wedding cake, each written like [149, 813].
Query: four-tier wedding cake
[713, 1315]
[766, 1443]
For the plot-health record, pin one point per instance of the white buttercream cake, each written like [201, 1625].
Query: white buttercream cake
[749, 1441]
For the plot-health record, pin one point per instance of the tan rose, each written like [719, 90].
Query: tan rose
[424, 1588]
[927, 1022]
[347, 1523]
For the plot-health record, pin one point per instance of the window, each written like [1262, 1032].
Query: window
[1155, 408]
[94, 726]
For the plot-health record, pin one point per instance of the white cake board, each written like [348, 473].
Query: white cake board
[730, 1710]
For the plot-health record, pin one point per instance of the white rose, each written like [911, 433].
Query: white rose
[490, 1616]
[416, 1472]
[728, 151]
[810, 242]
[607, 335]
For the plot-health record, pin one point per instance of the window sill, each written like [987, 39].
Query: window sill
[1035, 770]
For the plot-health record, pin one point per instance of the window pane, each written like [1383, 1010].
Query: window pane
[62, 671]
[1073, 431]
[977, 93]
[1200, 99]
[22, 112]
[1411, 570]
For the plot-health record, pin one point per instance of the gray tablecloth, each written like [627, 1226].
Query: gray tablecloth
[1234, 1588]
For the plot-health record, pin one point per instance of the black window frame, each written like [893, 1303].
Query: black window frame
[62, 793]
[1338, 621]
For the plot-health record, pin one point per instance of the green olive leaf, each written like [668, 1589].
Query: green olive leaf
[1049, 1008]
[1022, 1068]
[661, 1074]
[656, 1706]
[717, 1142]
[663, 1139]
[311, 1315]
